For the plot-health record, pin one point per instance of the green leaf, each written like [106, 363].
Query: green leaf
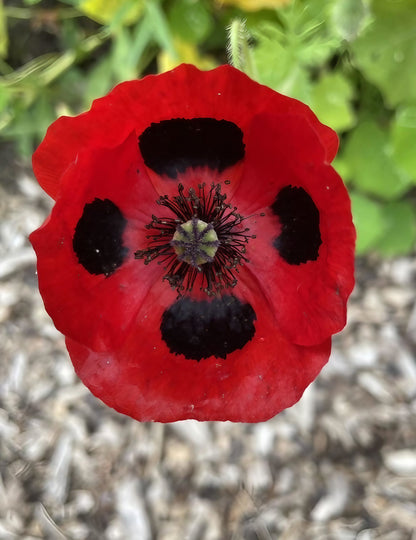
[4, 38]
[285, 51]
[43, 70]
[142, 37]
[306, 31]
[30, 123]
[99, 81]
[304, 37]
[296, 84]
[370, 162]
[191, 21]
[349, 17]
[331, 101]
[368, 221]
[120, 65]
[341, 166]
[159, 25]
[6, 113]
[399, 229]
[403, 135]
[278, 68]
[386, 50]
[5, 96]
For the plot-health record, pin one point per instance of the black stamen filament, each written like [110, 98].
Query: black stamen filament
[211, 208]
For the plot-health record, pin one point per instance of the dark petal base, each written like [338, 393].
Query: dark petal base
[171, 146]
[98, 238]
[200, 329]
[300, 238]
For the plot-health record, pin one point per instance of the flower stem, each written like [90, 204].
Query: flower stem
[239, 52]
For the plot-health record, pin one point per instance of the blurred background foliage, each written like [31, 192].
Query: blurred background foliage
[352, 61]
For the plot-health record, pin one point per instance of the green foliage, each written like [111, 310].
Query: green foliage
[369, 221]
[289, 47]
[331, 99]
[386, 51]
[399, 229]
[372, 167]
[388, 228]
[349, 17]
[351, 61]
[4, 42]
[191, 21]
[403, 139]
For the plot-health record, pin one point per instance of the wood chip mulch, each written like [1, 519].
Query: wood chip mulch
[341, 464]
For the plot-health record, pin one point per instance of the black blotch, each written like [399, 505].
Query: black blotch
[200, 329]
[98, 238]
[171, 146]
[300, 237]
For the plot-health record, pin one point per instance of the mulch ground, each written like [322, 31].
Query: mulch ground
[341, 464]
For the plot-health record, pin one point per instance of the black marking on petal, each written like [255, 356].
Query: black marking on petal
[300, 237]
[200, 329]
[171, 146]
[98, 238]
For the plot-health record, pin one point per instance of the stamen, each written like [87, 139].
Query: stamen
[204, 239]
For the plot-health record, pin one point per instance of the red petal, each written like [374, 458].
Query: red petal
[309, 299]
[144, 380]
[184, 92]
[113, 324]
[95, 309]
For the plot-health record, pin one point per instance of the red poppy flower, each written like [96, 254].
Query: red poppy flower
[200, 252]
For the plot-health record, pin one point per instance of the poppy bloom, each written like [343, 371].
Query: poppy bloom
[200, 252]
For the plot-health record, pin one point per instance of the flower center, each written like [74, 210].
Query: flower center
[202, 238]
[195, 242]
